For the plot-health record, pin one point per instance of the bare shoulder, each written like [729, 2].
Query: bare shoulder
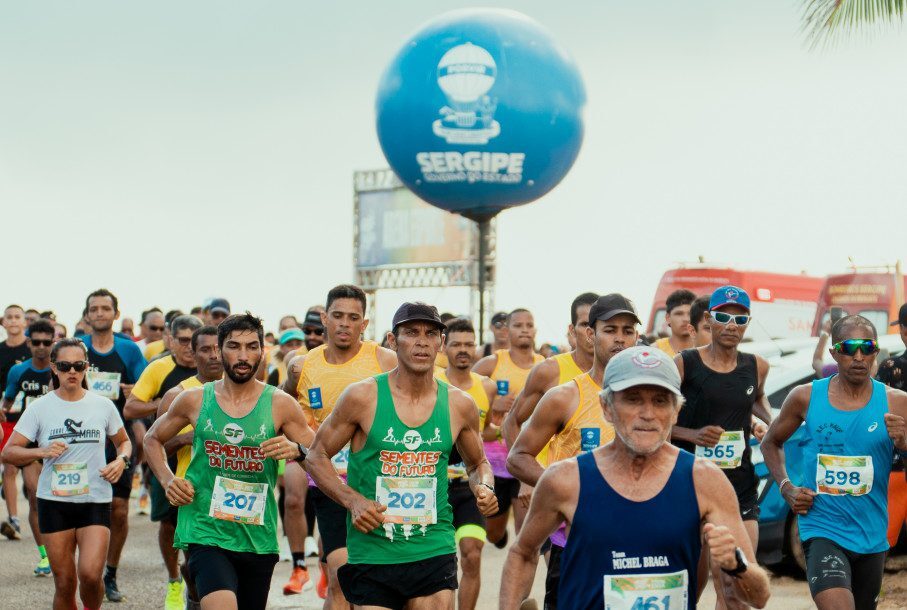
[361, 393]
[762, 365]
[486, 365]
[188, 401]
[560, 396]
[489, 384]
[546, 369]
[386, 358]
[459, 399]
[560, 480]
[896, 398]
[172, 393]
[800, 396]
[283, 400]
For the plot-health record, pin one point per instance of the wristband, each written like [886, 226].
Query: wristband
[781, 485]
[488, 486]
[303, 453]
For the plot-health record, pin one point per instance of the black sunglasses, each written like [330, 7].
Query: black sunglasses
[313, 331]
[157, 329]
[64, 367]
[40, 342]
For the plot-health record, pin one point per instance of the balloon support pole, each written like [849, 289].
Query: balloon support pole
[484, 223]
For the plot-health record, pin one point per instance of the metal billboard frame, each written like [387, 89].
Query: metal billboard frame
[421, 275]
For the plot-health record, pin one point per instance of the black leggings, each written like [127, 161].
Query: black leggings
[248, 575]
[830, 566]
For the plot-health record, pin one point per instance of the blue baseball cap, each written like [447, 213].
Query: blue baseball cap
[729, 295]
[290, 334]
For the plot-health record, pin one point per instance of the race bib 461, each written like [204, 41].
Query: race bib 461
[646, 591]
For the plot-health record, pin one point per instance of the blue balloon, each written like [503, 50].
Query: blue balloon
[481, 110]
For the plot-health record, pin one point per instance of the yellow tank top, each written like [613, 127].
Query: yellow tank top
[664, 344]
[476, 390]
[507, 370]
[184, 454]
[321, 383]
[586, 429]
[567, 368]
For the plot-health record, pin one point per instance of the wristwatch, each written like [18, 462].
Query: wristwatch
[303, 452]
[742, 564]
[126, 460]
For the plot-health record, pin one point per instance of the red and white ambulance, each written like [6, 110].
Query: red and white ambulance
[783, 304]
[873, 292]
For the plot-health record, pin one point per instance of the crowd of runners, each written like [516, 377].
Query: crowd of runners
[624, 462]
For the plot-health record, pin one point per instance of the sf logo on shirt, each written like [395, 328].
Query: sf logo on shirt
[234, 433]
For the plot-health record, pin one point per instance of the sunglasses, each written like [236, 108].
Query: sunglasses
[313, 331]
[184, 341]
[40, 342]
[499, 325]
[725, 318]
[157, 329]
[851, 346]
[64, 367]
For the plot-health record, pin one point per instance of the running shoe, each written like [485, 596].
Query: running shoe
[10, 529]
[529, 604]
[299, 582]
[311, 547]
[322, 587]
[175, 593]
[43, 568]
[111, 590]
[143, 501]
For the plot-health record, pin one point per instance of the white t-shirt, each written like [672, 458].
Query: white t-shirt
[84, 426]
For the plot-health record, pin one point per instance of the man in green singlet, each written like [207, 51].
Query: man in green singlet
[228, 514]
[403, 425]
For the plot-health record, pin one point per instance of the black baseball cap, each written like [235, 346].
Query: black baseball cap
[902, 316]
[417, 312]
[610, 305]
[312, 318]
[221, 305]
[498, 317]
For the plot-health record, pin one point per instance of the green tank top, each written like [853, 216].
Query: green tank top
[234, 506]
[406, 470]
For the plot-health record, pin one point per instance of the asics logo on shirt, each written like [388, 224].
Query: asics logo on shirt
[749, 390]
[872, 428]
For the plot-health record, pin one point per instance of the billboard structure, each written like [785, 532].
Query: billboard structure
[399, 241]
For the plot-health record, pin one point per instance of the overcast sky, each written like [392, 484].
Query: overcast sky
[177, 150]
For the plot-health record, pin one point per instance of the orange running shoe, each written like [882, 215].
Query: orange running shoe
[298, 582]
[322, 587]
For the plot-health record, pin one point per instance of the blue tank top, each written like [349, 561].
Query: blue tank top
[635, 550]
[857, 523]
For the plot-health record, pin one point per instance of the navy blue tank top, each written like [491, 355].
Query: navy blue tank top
[635, 554]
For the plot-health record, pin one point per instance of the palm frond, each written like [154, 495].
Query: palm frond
[823, 20]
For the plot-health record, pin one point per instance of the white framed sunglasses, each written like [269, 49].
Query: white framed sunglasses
[722, 317]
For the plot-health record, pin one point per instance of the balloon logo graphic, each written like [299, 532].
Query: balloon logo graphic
[479, 111]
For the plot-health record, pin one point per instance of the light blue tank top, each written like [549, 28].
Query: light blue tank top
[857, 523]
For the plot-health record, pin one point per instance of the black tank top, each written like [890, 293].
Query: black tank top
[721, 399]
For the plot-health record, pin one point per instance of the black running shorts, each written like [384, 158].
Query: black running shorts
[506, 490]
[248, 575]
[331, 519]
[830, 566]
[393, 585]
[55, 516]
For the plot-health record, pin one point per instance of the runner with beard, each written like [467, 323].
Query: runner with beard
[569, 418]
[26, 382]
[228, 514]
[509, 369]
[115, 365]
[468, 520]
[317, 379]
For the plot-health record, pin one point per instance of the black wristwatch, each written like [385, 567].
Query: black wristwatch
[742, 565]
[303, 452]
[126, 460]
